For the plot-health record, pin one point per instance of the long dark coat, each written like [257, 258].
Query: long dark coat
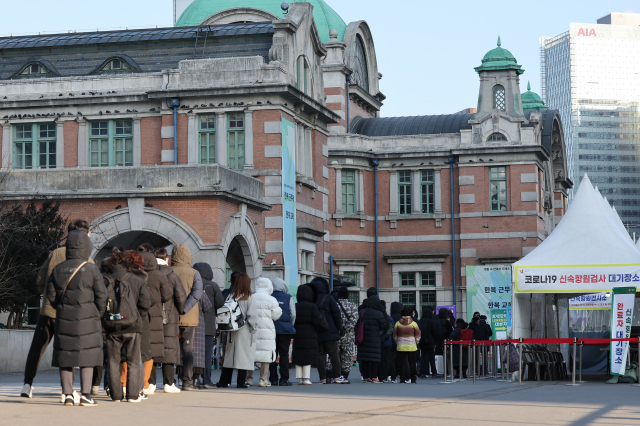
[212, 289]
[375, 326]
[173, 308]
[162, 293]
[307, 325]
[78, 329]
[331, 308]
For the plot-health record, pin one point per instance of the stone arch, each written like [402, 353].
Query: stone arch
[361, 28]
[239, 14]
[241, 230]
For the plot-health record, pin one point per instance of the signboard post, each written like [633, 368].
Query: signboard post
[621, 317]
[289, 231]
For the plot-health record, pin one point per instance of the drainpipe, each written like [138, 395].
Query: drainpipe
[175, 103]
[375, 164]
[348, 116]
[451, 160]
[331, 273]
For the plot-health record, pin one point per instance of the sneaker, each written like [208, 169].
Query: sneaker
[249, 383]
[142, 395]
[76, 397]
[171, 389]
[341, 381]
[179, 383]
[396, 381]
[87, 402]
[306, 382]
[208, 386]
[300, 381]
[264, 384]
[134, 400]
[124, 391]
[413, 382]
[150, 390]
[27, 391]
[95, 390]
[366, 380]
[283, 383]
[375, 380]
[408, 381]
[323, 381]
[222, 385]
[68, 401]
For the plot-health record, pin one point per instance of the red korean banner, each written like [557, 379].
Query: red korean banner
[621, 317]
[574, 279]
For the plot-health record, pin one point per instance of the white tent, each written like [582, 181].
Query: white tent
[613, 214]
[588, 252]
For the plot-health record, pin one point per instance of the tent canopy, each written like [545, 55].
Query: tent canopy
[589, 251]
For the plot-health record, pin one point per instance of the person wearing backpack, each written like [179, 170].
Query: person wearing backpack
[305, 342]
[76, 291]
[240, 348]
[383, 369]
[213, 292]
[170, 321]
[375, 325]
[429, 332]
[123, 325]
[45, 328]
[192, 282]
[284, 332]
[327, 339]
[162, 293]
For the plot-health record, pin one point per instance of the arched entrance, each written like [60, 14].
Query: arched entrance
[131, 241]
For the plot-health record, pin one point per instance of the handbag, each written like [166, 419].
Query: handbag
[360, 329]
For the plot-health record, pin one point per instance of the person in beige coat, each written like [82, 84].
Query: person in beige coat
[240, 351]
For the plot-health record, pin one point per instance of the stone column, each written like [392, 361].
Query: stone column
[137, 143]
[60, 146]
[221, 138]
[7, 149]
[83, 144]
[192, 139]
[308, 153]
[416, 207]
[338, 190]
[437, 189]
[360, 190]
[393, 193]
[248, 140]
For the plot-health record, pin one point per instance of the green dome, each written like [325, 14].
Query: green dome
[324, 16]
[499, 59]
[531, 101]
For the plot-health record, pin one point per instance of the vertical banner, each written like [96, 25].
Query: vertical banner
[489, 288]
[289, 228]
[499, 324]
[621, 316]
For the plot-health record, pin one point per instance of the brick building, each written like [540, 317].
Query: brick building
[175, 135]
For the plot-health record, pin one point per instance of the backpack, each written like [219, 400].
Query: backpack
[360, 329]
[121, 305]
[324, 324]
[230, 316]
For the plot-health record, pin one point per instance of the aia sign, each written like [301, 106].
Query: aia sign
[587, 32]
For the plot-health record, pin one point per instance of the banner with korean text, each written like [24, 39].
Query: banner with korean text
[289, 228]
[595, 301]
[621, 317]
[488, 289]
[499, 324]
[574, 278]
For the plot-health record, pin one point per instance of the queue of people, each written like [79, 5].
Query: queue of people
[138, 312]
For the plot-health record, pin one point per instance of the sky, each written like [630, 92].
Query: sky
[425, 50]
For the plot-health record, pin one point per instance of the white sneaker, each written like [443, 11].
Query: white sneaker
[151, 390]
[76, 397]
[264, 383]
[138, 399]
[27, 391]
[171, 389]
[62, 398]
[306, 382]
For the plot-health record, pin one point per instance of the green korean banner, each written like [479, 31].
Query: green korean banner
[499, 324]
[489, 289]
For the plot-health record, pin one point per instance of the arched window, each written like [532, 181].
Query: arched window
[303, 74]
[498, 97]
[496, 137]
[360, 70]
[33, 70]
[115, 66]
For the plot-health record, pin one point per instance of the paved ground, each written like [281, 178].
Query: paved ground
[486, 403]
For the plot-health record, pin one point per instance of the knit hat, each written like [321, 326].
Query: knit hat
[343, 293]
[371, 291]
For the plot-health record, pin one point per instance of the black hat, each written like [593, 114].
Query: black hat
[343, 293]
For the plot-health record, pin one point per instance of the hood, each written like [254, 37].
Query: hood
[264, 284]
[280, 285]
[305, 293]
[150, 262]
[78, 245]
[140, 273]
[396, 307]
[373, 302]
[205, 270]
[427, 312]
[443, 313]
[321, 285]
[406, 320]
[181, 255]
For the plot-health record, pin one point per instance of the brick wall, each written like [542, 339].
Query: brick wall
[151, 141]
[70, 130]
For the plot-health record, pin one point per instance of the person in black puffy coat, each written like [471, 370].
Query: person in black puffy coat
[370, 350]
[80, 304]
[328, 340]
[305, 341]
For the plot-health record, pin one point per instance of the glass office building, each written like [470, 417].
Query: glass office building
[591, 74]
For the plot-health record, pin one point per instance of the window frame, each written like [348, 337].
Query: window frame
[210, 135]
[405, 190]
[302, 81]
[493, 137]
[112, 138]
[429, 275]
[346, 185]
[236, 132]
[428, 190]
[502, 181]
[495, 102]
[409, 276]
[35, 140]
[411, 293]
[355, 275]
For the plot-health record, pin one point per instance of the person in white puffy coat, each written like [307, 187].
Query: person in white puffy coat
[269, 311]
